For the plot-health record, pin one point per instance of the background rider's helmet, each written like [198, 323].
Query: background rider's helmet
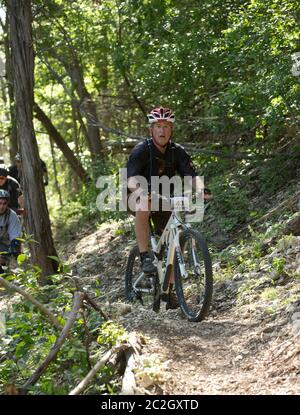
[4, 194]
[3, 172]
[18, 157]
[161, 114]
[2, 164]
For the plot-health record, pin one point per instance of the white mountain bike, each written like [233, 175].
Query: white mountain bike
[185, 249]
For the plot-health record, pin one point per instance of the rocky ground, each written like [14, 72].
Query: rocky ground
[249, 344]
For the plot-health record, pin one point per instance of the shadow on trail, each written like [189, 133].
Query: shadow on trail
[212, 329]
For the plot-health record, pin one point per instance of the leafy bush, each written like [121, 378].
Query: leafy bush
[29, 337]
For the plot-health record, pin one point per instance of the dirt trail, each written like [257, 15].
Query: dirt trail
[236, 350]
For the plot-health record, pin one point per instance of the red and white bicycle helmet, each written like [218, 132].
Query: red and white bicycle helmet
[161, 114]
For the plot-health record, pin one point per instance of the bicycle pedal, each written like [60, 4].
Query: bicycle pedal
[150, 274]
[145, 283]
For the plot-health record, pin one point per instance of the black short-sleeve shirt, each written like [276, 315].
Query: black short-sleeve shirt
[175, 160]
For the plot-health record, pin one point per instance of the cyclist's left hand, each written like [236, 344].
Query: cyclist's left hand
[207, 194]
[15, 247]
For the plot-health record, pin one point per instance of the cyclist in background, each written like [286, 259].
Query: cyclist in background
[2, 164]
[12, 186]
[15, 171]
[10, 229]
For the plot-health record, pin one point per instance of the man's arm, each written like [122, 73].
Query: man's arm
[186, 169]
[14, 226]
[135, 166]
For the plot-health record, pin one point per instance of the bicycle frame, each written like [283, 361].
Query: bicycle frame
[179, 250]
[169, 238]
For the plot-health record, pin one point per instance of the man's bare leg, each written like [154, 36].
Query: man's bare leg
[142, 237]
[142, 230]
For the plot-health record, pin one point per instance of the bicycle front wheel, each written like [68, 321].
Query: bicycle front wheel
[193, 276]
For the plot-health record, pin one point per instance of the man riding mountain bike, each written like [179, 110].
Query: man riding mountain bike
[10, 229]
[158, 156]
[12, 186]
[15, 170]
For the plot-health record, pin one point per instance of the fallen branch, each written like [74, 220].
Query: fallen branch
[287, 203]
[87, 339]
[93, 303]
[128, 381]
[41, 307]
[77, 301]
[114, 291]
[88, 299]
[101, 363]
[4, 357]
[287, 344]
[118, 361]
[96, 123]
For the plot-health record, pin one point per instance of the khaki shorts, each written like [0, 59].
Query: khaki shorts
[159, 219]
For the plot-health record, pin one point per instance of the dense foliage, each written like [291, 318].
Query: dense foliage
[27, 336]
[224, 67]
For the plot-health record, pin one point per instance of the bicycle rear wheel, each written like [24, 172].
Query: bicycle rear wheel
[193, 276]
[138, 286]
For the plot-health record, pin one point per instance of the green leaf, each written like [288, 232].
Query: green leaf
[21, 258]
[55, 258]
[19, 349]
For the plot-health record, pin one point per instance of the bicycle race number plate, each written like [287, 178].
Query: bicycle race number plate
[180, 203]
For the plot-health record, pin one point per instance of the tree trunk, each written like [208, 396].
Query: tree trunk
[76, 141]
[87, 105]
[61, 144]
[13, 147]
[37, 215]
[123, 69]
[6, 112]
[56, 184]
[105, 113]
